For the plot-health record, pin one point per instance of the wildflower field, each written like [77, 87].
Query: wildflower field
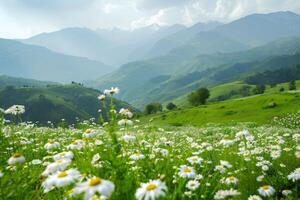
[126, 159]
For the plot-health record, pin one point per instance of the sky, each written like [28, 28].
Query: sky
[25, 18]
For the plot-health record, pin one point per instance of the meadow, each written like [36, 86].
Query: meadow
[128, 159]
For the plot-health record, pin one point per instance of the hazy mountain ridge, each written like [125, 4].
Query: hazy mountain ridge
[30, 61]
[22, 82]
[113, 47]
[259, 29]
[215, 56]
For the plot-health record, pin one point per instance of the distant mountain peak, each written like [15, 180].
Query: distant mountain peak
[155, 27]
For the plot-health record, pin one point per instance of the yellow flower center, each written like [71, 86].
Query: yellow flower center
[265, 187]
[62, 174]
[231, 178]
[50, 141]
[17, 155]
[151, 187]
[88, 131]
[95, 197]
[59, 161]
[187, 170]
[95, 181]
[194, 159]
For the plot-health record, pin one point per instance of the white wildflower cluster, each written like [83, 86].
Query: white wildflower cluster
[15, 110]
[148, 162]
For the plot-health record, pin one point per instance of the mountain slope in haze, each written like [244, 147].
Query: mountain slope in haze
[252, 30]
[259, 29]
[113, 47]
[180, 76]
[173, 41]
[22, 82]
[208, 43]
[55, 103]
[29, 61]
[232, 69]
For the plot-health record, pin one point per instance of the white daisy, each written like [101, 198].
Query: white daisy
[194, 160]
[137, 156]
[64, 155]
[295, 175]
[89, 133]
[231, 180]
[254, 197]
[77, 144]
[36, 162]
[93, 186]
[186, 172]
[15, 110]
[192, 184]
[125, 112]
[101, 97]
[16, 158]
[151, 190]
[223, 194]
[124, 122]
[286, 192]
[51, 145]
[60, 179]
[266, 191]
[58, 165]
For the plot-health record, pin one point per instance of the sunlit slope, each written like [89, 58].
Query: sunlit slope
[256, 109]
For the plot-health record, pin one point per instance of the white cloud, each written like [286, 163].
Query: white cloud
[154, 19]
[23, 18]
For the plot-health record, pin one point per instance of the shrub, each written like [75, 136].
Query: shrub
[198, 97]
[153, 108]
[259, 89]
[281, 89]
[292, 85]
[171, 106]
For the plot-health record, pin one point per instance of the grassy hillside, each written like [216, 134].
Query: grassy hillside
[22, 82]
[249, 109]
[232, 88]
[56, 102]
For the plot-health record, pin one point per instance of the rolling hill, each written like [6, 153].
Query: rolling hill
[29, 61]
[55, 103]
[168, 77]
[254, 109]
[22, 82]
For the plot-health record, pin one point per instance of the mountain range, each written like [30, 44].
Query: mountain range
[157, 63]
[113, 47]
[36, 62]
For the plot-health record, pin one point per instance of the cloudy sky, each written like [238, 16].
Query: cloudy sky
[24, 18]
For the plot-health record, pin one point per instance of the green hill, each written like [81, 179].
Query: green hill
[232, 90]
[176, 75]
[259, 109]
[22, 82]
[54, 103]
